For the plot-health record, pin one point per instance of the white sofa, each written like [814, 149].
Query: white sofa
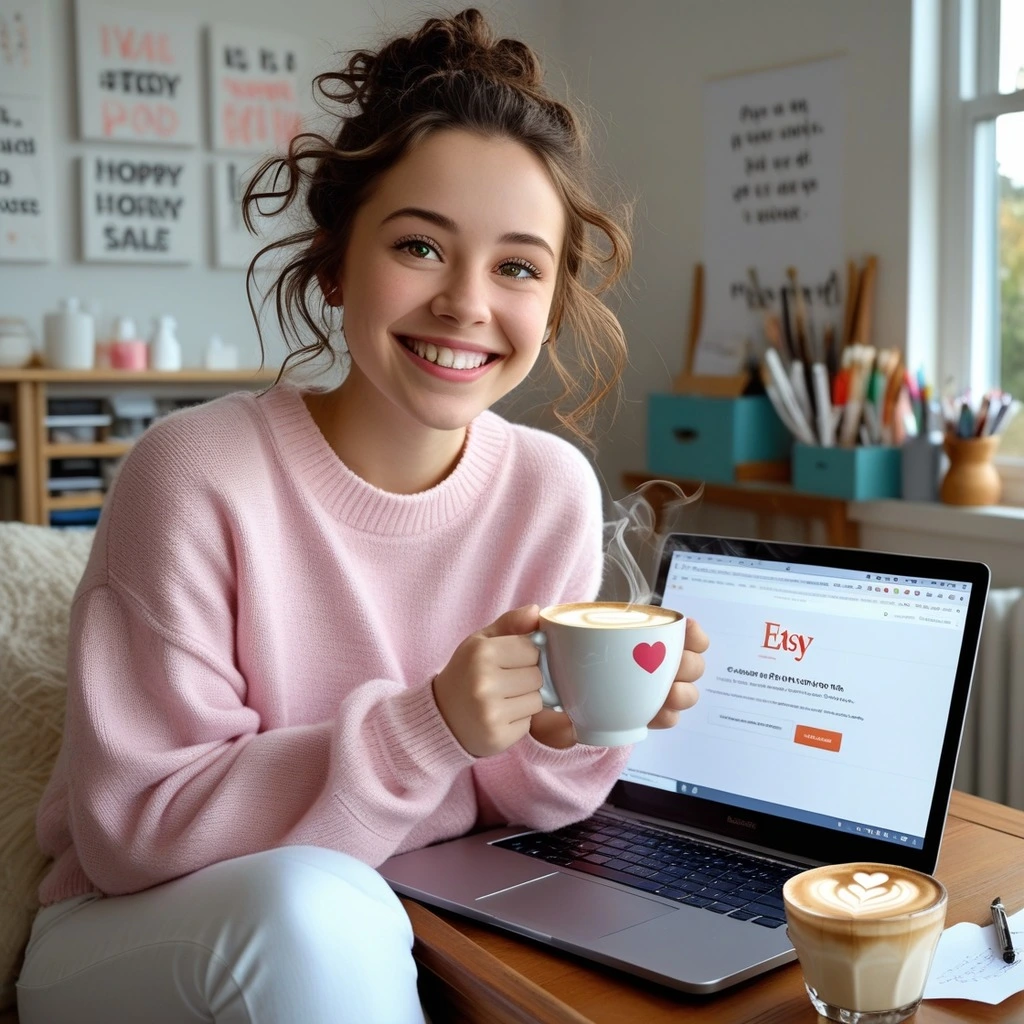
[39, 570]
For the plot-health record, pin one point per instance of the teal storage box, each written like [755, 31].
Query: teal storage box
[857, 474]
[719, 440]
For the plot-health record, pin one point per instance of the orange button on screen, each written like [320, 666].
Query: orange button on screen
[824, 739]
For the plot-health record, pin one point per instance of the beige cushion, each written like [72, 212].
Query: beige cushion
[39, 570]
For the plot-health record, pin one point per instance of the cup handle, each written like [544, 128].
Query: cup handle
[548, 693]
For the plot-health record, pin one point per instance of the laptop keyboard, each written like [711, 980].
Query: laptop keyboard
[669, 864]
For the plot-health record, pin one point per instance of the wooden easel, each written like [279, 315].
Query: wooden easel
[686, 381]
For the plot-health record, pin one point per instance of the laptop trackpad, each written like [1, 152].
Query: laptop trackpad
[570, 907]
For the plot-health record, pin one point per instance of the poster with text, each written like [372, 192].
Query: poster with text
[773, 199]
[21, 48]
[233, 245]
[137, 76]
[256, 84]
[140, 206]
[26, 207]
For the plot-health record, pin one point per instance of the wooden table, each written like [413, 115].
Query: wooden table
[764, 500]
[470, 972]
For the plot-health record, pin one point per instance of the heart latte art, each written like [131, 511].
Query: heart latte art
[866, 893]
[863, 890]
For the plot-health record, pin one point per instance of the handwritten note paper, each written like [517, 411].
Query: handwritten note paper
[140, 206]
[773, 144]
[233, 245]
[968, 964]
[256, 84]
[26, 207]
[137, 76]
[21, 48]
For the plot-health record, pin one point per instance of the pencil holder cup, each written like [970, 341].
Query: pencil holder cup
[971, 479]
[920, 469]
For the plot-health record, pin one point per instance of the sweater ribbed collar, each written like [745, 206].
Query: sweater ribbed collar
[308, 457]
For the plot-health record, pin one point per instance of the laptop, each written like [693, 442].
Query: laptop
[831, 710]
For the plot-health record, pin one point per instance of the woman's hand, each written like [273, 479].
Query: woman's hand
[684, 694]
[489, 691]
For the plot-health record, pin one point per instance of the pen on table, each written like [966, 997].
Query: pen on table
[1002, 927]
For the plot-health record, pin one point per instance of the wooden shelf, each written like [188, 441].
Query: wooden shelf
[87, 450]
[248, 376]
[86, 499]
[764, 498]
[32, 388]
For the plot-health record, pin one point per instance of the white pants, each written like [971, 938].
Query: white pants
[296, 935]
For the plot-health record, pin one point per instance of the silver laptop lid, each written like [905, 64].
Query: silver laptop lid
[832, 703]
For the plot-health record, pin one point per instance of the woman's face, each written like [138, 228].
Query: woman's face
[448, 278]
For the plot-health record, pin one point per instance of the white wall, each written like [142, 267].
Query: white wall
[642, 67]
[204, 298]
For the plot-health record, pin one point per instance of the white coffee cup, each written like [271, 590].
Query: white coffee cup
[609, 666]
[865, 934]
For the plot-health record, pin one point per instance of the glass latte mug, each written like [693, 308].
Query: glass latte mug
[865, 935]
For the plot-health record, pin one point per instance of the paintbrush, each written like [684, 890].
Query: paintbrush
[773, 333]
[787, 329]
[801, 317]
[850, 309]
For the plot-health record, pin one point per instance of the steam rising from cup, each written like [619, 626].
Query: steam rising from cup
[633, 535]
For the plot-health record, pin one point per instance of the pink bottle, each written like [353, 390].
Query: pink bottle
[127, 351]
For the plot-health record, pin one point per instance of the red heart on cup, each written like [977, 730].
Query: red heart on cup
[649, 656]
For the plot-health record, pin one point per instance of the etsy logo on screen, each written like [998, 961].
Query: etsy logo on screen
[778, 639]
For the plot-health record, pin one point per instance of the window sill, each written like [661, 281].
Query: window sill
[999, 523]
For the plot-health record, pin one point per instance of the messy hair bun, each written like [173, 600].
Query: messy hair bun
[464, 44]
[452, 73]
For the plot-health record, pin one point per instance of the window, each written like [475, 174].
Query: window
[983, 211]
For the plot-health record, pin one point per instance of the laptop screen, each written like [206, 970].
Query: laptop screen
[828, 688]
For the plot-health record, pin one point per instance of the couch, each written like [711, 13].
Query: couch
[39, 570]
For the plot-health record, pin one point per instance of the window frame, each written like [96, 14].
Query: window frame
[971, 102]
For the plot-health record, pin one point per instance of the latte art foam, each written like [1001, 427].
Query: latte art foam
[609, 615]
[863, 891]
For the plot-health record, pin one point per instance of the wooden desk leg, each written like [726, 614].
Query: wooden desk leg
[840, 530]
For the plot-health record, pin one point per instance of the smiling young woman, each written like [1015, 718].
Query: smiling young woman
[301, 644]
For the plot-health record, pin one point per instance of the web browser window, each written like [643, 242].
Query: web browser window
[825, 694]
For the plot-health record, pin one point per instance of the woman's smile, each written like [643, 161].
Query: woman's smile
[447, 359]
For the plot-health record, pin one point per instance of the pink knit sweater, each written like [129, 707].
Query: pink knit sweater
[254, 639]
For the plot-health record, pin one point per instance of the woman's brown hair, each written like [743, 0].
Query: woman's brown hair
[453, 73]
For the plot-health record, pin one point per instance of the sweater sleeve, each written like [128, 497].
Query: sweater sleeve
[533, 784]
[172, 772]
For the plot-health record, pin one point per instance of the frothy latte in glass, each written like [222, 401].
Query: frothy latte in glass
[610, 615]
[865, 934]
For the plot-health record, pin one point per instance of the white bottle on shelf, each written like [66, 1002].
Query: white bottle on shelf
[69, 338]
[219, 355]
[165, 349]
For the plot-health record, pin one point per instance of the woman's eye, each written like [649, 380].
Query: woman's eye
[518, 270]
[417, 247]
